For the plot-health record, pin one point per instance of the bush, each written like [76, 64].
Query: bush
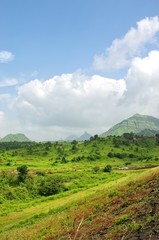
[22, 173]
[127, 163]
[21, 192]
[96, 169]
[110, 155]
[50, 185]
[107, 168]
[10, 193]
[40, 173]
[64, 160]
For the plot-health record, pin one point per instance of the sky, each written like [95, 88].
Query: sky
[69, 66]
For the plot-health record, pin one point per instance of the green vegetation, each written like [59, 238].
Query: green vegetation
[69, 184]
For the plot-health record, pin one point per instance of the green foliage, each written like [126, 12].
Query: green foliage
[116, 142]
[110, 154]
[128, 136]
[96, 169]
[22, 173]
[107, 168]
[50, 185]
[40, 173]
[64, 160]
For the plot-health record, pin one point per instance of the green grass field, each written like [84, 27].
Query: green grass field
[65, 183]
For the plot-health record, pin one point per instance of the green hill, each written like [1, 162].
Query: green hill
[148, 132]
[136, 124]
[19, 137]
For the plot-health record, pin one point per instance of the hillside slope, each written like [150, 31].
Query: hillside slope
[137, 123]
[127, 210]
[19, 137]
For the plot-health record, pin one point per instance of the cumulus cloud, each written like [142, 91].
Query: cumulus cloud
[72, 102]
[69, 100]
[123, 50]
[6, 56]
[142, 84]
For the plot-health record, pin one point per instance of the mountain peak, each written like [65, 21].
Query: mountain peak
[18, 137]
[84, 136]
[137, 123]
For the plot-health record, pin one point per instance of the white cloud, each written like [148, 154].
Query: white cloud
[6, 56]
[123, 50]
[142, 84]
[73, 103]
[69, 101]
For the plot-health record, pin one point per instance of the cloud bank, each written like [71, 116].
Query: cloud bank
[94, 103]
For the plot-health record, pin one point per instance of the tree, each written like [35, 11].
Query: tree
[74, 145]
[22, 173]
[107, 168]
[128, 136]
[110, 154]
[51, 185]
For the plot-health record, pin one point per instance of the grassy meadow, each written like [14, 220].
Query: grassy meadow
[71, 190]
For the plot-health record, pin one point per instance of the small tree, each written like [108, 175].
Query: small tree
[22, 173]
[50, 185]
[107, 168]
[110, 154]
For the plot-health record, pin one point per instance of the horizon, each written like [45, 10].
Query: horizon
[76, 137]
[70, 66]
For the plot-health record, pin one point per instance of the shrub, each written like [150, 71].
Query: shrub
[50, 185]
[110, 155]
[22, 173]
[10, 193]
[96, 169]
[127, 163]
[40, 173]
[64, 160]
[107, 168]
[21, 192]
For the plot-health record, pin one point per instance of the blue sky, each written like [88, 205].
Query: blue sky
[89, 46]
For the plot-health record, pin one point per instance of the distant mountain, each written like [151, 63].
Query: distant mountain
[83, 137]
[71, 138]
[136, 124]
[19, 137]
